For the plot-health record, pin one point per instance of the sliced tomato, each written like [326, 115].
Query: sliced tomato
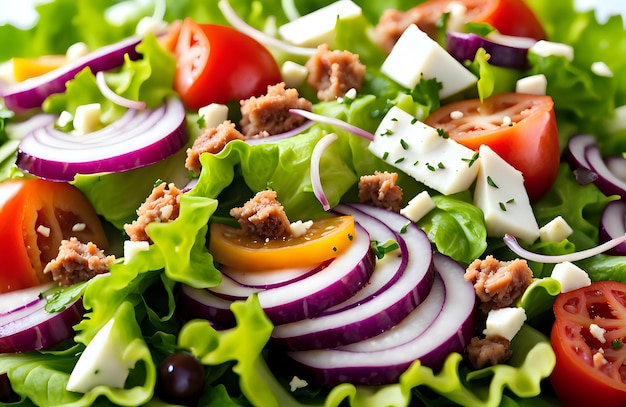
[324, 240]
[509, 17]
[589, 341]
[36, 215]
[217, 64]
[25, 68]
[521, 128]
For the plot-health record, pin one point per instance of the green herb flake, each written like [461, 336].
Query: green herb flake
[399, 160]
[404, 144]
[442, 133]
[385, 155]
[617, 343]
[381, 249]
[470, 161]
[441, 165]
[413, 121]
[491, 183]
[405, 227]
[502, 206]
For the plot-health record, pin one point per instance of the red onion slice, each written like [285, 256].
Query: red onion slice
[449, 332]
[333, 121]
[32, 92]
[316, 180]
[607, 181]
[30, 327]
[514, 245]
[505, 51]
[281, 136]
[114, 97]
[137, 139]
[378, 313]
[613, 225]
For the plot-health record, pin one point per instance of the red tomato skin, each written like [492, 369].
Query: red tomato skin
[509, 17]
[530, 145]
[577, 383]
[24, 206]
[232, 66]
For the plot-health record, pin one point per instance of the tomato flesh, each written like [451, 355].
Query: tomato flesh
[36, 215]
[520, 128]
[324, 240]
[509, 17]
[218, 64]
[589, 371]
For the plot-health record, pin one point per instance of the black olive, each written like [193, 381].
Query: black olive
[180, 379]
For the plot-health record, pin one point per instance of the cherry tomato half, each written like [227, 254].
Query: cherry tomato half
[217, 64]
[509, 17]
[35, 215]
[587, 336]
[521, 128]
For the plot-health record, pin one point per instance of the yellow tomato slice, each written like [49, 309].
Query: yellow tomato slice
[25, 68]
[324, 240]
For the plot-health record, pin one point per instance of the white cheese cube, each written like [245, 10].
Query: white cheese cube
[601, 69]
[318, 27]
[501, 195]
[131, 248]
[548, 48]
[570, 276]
[555, 231]
[101, 363]
[293, 74]
[533, 84]
[65, 118]
[415, 56]
[213, 115]
[76, 51]
[418, 150]
[87, 118]
[418, 206]
[505, 322]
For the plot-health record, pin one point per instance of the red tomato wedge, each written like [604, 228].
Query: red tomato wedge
[218, 64]
[324, 240]
[36, 215]
[587, 336]
[509, 17]
[521, 128]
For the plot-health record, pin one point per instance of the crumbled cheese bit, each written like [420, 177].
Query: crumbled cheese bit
[570, 276]
[43, 230]
[213, 115]
[547, 48]
[456, 114]
[506, 121]
[78, 227]
[505, 322]
[300, 228]
[555, 231]
[601, 69]
[131, 248]
[599, 359]
[293, 74]
[297, 383]
[76, 51]
[418, 206]
[64, 119]
[597, 332]
[533, 84]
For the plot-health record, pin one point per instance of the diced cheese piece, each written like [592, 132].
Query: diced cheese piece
[601, 69]
[555, 231]
[100, 363]
[533, 84]
[505, 321]
[570, 276]
[318, 27]
[76, 51]
[87, 118]
[293, 74]
[598, 332]
[131, 248]
[297, 383]
[548, 48]
[213, 115]
[418, 206]
[415, 56]
[65, 118]
[501, 195]
[419, 151]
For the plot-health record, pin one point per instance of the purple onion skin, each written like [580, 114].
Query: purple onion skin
[463, 47]
[613, 224]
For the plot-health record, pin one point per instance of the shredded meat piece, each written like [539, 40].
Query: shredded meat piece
[163, 205]
[269, 114]
[263, 216]
[393, 23]
[489, 351]
[212, 141]
[333, 73]
[381, 190]
[498, 283]
[77, 262]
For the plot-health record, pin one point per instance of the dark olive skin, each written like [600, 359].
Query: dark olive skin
[180, 379]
